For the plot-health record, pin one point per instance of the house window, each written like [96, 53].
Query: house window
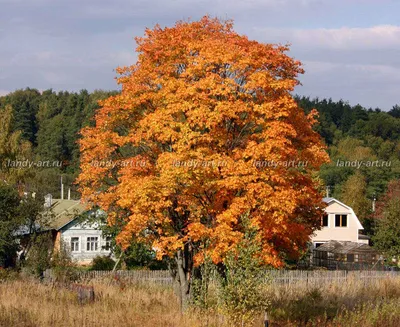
[341, 220]
[107, 247]
[324, 221]
[92, 243]
[74, 244]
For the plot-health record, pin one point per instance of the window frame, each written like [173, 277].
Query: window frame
[341, 220]
[77, 243]
[107, 243]
[327, 220]
[92, 243]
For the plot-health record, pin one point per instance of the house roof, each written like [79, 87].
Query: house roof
[63, 212]
[330, 200]
[345, 247]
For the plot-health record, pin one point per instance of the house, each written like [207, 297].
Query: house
[71, 226]
[339, 223]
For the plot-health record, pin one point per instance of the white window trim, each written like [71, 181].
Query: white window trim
[103, 248]
[329, 220]
[92, 242]
[341, 213]
[79, 244]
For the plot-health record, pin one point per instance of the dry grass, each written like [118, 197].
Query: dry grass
[28, 303]
[367, 304]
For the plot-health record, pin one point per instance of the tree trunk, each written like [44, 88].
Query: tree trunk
[182, 274]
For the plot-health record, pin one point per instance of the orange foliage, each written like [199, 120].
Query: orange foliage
[200, 118]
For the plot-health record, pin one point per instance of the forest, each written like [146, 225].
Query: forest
[44, 127]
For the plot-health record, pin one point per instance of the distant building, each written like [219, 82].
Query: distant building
[71, 224]
[339, 223]
[73, 228]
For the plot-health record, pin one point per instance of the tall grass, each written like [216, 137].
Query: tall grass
[28, 303]
[371, 303]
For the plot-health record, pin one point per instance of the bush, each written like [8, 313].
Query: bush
[243, 290]
[63, 268]
[39, 256]
[8, 274]
[102, 263]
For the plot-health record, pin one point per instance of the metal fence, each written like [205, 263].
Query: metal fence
[280, 277]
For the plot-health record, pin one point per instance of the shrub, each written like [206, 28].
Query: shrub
[63, 268]
[39, 256]
[243, 290]
[8, 274]
[102, 263]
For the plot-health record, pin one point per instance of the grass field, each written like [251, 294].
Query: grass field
[28, 303]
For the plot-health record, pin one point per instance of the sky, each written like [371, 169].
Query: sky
[350, 49]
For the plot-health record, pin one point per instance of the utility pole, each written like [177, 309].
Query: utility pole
[373, 203]
[328, 188]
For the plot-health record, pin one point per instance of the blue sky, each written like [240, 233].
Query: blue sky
[350, 48]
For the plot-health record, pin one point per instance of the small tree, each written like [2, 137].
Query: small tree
[39, 255]
[243, 286]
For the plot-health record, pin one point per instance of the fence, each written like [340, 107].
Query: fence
[132, 276]
[280, 277]
[318, 277]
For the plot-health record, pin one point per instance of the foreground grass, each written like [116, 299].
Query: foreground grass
[354, 303]
[27, 303]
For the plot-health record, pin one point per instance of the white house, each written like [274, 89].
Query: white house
[83, 238]
[339, 223]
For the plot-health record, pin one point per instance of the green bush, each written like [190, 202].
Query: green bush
[39, 256]
[8, 274]
[64, 270]
[102, 263]
[243, 290]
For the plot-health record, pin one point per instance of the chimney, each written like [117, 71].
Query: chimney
[62, 189]
[48, 199]
[69, 194]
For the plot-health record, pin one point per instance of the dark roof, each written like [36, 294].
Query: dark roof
[345, 247]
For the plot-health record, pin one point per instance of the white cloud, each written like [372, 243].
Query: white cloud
[345, 38]
[4, 92]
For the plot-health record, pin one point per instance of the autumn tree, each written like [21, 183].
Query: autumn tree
[387, 232]
[12, 148]
[205, 131]
[354, 195]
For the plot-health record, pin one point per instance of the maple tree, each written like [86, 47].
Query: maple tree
[182, 153]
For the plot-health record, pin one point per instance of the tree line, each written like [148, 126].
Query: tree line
[49, 123]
